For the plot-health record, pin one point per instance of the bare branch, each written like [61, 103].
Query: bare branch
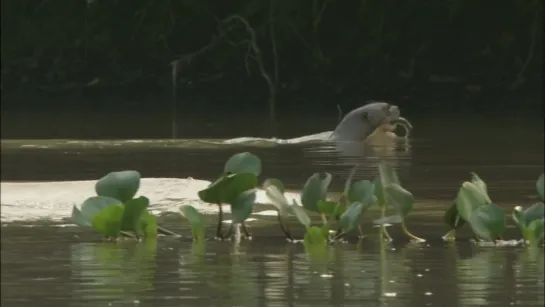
[253, 52]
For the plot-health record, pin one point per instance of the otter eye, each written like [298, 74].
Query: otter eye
[386, 108]
[364, 116]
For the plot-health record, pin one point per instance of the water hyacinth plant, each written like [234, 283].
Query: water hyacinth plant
[474, 207]
[531, 221]
[388, 191]
[345, 213]
[236, 186]
[115, 211]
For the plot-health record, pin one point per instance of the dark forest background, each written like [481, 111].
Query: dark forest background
[312, 54]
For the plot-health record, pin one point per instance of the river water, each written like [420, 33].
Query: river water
[46, 261]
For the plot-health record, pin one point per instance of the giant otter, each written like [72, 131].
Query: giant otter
[370, 119]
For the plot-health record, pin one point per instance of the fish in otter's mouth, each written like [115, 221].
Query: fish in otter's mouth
[394, 119]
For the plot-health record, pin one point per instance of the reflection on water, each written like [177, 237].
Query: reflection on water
[264, 272]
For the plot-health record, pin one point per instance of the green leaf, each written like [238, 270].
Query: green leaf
[348, 183]
[242, 207]
[330, 208]
[83, 214]
[300, 213]
[274, 189]
[523, 217]
[488, 221]
[540, 186]
[315, 237]
[535, 231]
[392, 219]
[401, 199]
[243, 162]
[469, 198]
[227, 188]
[119, 185]
[362, 191]
[147, 225]
[195, 221]
[134, 209]
[108, 220]
[477, 181]
[275, 183]
[350, 219]
[452, 218]
[314, 190]
[534, 212]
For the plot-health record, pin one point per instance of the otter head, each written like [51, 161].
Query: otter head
[357, 125]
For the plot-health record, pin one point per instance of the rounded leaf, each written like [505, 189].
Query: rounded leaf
[242, 207]
[119, 185]
[488, 221]
[134, 208]
[401, 199]
[330, 208]
[147, 225]
[481, 185]
[108, 220]
[315, 237]
[452, 218]
[536, 231]
[195, 221]
[314, 190]
[243, 162]
[301, 215]
[227, 188]
[274, 190]
[348, 182]
[351, 218]
[534, 212]
[469, 198]
[83, 214]
[361, 191]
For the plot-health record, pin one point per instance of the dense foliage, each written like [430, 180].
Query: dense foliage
[323, 48]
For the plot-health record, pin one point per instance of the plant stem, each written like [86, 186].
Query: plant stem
[284, 228]
[220, 220]
[409, 234]
[383, 232]
[245, 230]
[324, 219]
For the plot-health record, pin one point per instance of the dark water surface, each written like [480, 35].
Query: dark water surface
[64, 266]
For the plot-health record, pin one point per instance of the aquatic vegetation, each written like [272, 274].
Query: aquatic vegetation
[531, 220]
[236, 186]
[114, 211]
[388, 191]
[474, 207]
[195, 221]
